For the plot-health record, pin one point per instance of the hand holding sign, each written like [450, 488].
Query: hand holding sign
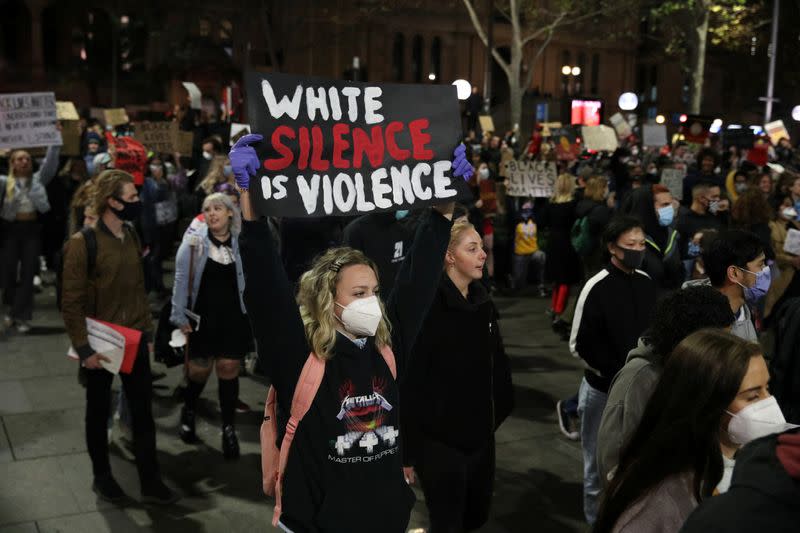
[244, 160]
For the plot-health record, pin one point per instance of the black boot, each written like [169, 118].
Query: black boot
[187, 431]
[107, 488]
[230, 443]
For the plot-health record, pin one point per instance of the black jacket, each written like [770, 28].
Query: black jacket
[613, 311]
[784, 367]
[385, 240]
[458, 390]
[344, 471]
[762, 497]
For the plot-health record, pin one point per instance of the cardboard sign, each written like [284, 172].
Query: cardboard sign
[621, 125]
[184, 142]
[236, 130]
[195, 96]
[486, 122]
[776, 131]
[115, 117]
[792, 243]
[156, 136]
[131, 156]
[672, 178]
[599, 138]
[66, 111]
[71, 135]
[334, 147]
[531, 178]
[548, 127]
[28, 120]
[654, 135]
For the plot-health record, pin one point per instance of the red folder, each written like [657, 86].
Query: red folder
[133, 337]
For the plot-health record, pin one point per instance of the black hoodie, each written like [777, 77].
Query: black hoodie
[763, 497]
[344, 471]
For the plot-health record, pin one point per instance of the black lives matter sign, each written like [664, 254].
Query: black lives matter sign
[334, 147]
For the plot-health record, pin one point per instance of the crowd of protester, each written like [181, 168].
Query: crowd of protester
[684, 312]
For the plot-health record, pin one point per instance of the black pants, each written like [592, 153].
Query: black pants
[160, 250]
[138, 393]
[22, 244]
[458, 487]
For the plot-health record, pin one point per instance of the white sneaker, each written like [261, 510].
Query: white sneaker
[23, 327]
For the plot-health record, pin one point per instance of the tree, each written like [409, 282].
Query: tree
[686, 26]
[533, 26]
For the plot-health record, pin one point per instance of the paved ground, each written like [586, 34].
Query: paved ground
[45, 473]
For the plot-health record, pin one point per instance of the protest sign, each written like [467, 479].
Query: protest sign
[115, 117]
[548, 127]
[28, 120]
[184, 142]
[155, 136]
[71, 135]
[672, 178]
[237, 130]
[621, 125]
[486, 122]
[792, 243]
[131, 156]
[335, 147]
[599, 138]
[654, 135]
[531, 178]
[776, 131]
[195, 96]
[66, 111]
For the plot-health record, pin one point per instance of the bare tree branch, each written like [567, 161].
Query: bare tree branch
[482, 35]
[560, 23]
[532, 63]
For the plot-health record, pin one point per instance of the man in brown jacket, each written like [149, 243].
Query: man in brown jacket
[112, 290]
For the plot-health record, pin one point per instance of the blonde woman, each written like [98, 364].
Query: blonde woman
[210, 256]
[346, 450]
[454, 455]
[219, 172]
[563, 266]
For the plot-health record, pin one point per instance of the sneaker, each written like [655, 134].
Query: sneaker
[23, 327]
[565, 422]
[8, 322]
[158, 493]
[187, 431]
[230, 443]
[107, 488]
[242, 407]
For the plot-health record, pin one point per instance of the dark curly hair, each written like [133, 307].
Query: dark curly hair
[751, 208]
[683, 312]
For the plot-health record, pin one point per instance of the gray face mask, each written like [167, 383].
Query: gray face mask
[713, 207]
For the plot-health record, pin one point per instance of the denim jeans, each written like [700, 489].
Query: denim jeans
[522, 264]
[591, 403]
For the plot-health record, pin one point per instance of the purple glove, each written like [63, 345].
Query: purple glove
[460, 165]
[244, 160]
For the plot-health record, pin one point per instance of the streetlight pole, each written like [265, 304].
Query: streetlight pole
[773, 52]
[487, 78]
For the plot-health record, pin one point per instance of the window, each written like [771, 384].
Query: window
[398, 57]
[416, 59]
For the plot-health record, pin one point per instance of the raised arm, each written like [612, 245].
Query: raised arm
[49, 165]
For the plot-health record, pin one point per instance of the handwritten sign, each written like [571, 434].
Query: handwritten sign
[654, 135]
[672, 178]
[66, 111]
[335, 147]
[599, 138]
[621, 125]
[28, 120]
[531, 178]
[195, 96]
[156, 136]
[115, 117]
[776, 131]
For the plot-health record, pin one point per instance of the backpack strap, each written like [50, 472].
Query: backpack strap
[388, 356]
[304, 394]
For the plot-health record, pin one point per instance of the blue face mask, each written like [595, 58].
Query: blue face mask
[694, 250]
[665, 215]
[227, 170]
[401, 214]
[759, 289]
[526, 214]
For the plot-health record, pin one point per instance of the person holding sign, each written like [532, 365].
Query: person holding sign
[23, 199]
[344, 471]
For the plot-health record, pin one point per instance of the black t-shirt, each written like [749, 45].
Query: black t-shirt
[689, 223]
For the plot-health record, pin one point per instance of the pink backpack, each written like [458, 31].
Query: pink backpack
[273, 460]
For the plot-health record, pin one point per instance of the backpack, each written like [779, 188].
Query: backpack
[580, 237]
[273, 459]
[90, 240]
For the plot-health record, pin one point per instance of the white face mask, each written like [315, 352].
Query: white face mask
[207, 155]
[362, 316]
[757, 420]
[484, 173]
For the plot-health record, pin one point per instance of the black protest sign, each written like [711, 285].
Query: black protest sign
[335, 147]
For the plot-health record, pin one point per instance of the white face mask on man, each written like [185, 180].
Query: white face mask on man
[361, 317]
[757, 420]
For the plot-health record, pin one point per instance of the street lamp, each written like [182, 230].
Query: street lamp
[566, 70]
[660, 119]
[576, 71]
[432, 76]
[628, 101]
[571, 79]
[463, 89]
[796, 113]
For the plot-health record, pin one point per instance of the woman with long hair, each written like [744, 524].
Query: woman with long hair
[563, 265]
[708, 403]
[346, 450]
[209, 282]
[752, 212]
[219, 172]
[454, 455]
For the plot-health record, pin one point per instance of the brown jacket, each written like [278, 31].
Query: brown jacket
[784, 262]
[115, 294]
